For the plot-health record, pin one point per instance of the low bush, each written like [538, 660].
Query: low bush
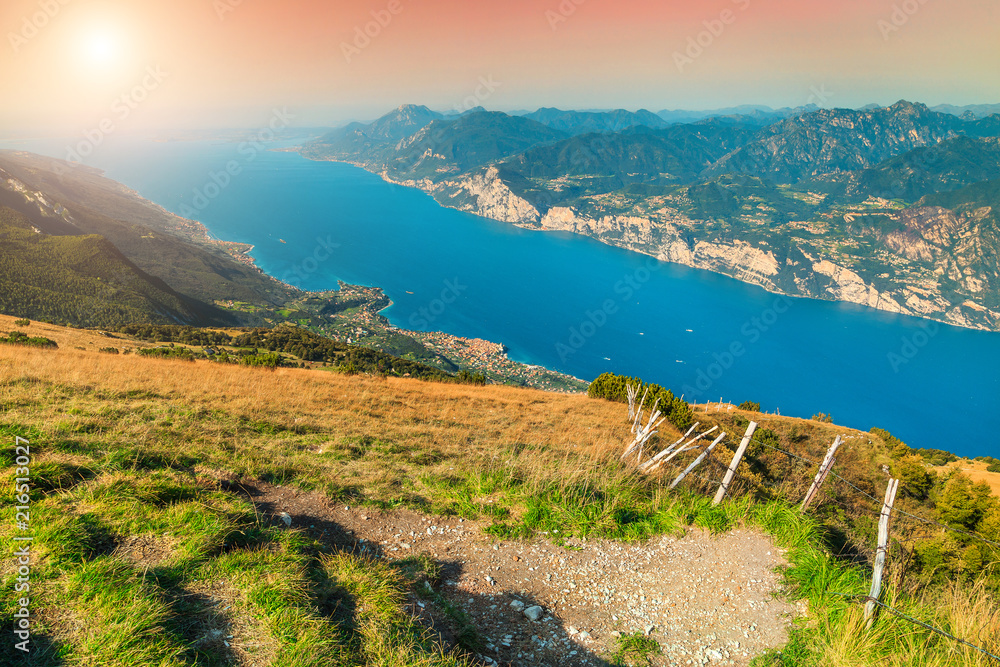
[18, 338]
[613, 388]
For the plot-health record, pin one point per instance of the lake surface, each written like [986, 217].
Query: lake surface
[573, 304]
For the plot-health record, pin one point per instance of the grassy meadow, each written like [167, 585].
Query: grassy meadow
[143, 555]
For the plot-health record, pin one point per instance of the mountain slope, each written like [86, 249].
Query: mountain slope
[838, 140]
[321, 516]
[949, 165]
[173, 249]
[468, 142]
[82, 279]
[584, 122]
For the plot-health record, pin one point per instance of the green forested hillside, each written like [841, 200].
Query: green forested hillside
[82, 279]
[157, 242]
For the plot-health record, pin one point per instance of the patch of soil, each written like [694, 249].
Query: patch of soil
[221, 629]
[703, 599]
[146, 551]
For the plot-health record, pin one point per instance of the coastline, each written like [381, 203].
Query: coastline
[739, 260]
[472, 354]
[362, 323]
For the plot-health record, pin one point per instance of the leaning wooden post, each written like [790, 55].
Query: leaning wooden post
[821, 475]
[728, 479]
[661, 460]
[631, 392]
[697, 461]
[883, 547]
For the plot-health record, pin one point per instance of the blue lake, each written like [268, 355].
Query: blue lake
[573, 304]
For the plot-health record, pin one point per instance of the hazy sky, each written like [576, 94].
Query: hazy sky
[71, 64]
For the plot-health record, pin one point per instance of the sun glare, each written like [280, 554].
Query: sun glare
[101, 48]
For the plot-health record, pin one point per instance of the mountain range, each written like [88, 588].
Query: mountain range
[891, 207]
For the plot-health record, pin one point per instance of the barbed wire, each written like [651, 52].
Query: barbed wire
[738, 477]
[879, 502]
[906, 617]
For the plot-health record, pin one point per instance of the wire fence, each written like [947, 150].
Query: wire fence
[907, 617]
[878, 501]
[721, 469]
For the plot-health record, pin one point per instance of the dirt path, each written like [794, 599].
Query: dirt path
[705, 600]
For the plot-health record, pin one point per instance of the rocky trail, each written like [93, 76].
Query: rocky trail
[703, 599]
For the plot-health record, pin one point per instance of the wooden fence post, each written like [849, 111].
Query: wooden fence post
[631, 393]
[883, 548]
[824, 471]
[721, 493]
[653, 465]
[697, 461]
[671, 447]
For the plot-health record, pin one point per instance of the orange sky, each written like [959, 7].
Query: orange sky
[66, 64]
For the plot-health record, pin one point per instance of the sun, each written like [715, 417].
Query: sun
[101, 48]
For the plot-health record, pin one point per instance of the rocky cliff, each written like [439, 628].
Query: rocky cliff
[895, 208]
[932, 244]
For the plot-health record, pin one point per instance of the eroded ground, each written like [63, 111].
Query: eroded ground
[703, 599]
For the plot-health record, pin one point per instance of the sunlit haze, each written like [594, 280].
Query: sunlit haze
[229, 62]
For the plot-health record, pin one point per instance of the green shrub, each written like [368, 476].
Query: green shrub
[266, 360]
[167, 353]
[823, 418]
[110, 350]
[935, 457]
[477, 379]
[613, 388]
[22, 323]
[18, 338]
[750, 406]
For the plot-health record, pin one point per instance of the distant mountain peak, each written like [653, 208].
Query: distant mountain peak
[907, 106]
[411, 108]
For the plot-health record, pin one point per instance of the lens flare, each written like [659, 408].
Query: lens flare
[101, 48]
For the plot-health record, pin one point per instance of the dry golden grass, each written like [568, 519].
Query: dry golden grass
[966, 611]
[69, 338]
[450, 422]
[353, 406]
[977, 472]
[376, 436]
